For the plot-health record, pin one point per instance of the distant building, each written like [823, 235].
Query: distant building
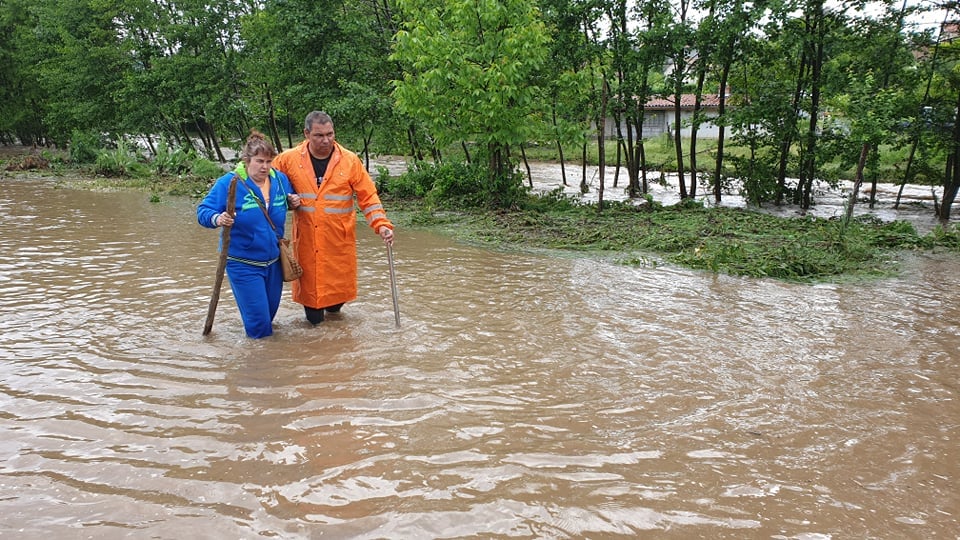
[949, 30]
[658, 117]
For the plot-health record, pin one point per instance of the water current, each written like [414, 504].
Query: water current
[524, 395]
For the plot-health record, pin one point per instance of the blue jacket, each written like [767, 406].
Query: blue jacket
[251, 237]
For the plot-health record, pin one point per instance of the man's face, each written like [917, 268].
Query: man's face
[320, 138]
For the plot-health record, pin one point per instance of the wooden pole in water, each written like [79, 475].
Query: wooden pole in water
[222, 262]
[393, 285]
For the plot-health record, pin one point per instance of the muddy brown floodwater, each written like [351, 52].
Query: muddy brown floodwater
[525, 395]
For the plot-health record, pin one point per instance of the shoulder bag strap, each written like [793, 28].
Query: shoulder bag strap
[262, 207]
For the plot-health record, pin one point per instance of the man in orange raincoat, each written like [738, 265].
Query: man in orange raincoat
[329, 179]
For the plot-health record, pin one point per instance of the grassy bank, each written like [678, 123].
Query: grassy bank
[724, 240]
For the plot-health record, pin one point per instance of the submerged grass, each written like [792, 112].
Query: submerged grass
[723, 240]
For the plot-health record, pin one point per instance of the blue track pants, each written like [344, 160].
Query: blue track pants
[257, 290]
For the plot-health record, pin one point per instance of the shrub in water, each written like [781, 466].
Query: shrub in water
[84, 147]
[171, 161]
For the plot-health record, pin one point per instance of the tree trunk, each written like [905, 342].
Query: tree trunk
[951, 182]
[644, 183]
[187, 140]
[633, 159]
[563, 169]
[787, 142]
[809, 170]
[367, 137]
[638, 166]
[601, 139]
[583, 169]
[200, 124]
[415, 149]
[677, 139]
[272, 119]
[215, 143]
[918, 130]
[150, 145]
[949, 197]
[523, 154]
[695, 127]
[857, 181]
[721, 109]
[619, 160]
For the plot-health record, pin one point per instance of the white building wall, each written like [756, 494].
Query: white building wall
[658, 122]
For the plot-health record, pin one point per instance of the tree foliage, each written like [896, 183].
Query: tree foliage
[470, 72]
[811, 84]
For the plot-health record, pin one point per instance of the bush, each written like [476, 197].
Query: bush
[204, 168]
[175, 161]
[456, 185]
[85, 147]
[948, 237]
[415, 183]
[120, 161]
[383, 178]
[459, 185]
[438, 184]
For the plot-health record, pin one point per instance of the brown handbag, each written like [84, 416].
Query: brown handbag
[291, 267]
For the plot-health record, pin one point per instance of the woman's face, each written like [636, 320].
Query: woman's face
[258, 167]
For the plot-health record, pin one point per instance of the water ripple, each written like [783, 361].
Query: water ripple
[524, 396]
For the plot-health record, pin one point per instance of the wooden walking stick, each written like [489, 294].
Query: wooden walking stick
[393, 285]
[222, 263]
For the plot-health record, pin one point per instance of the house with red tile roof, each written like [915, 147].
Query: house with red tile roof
[658, 117]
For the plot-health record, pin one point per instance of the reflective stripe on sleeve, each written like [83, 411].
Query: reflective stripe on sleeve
[372, 207]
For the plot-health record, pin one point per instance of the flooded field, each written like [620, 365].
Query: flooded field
[525, 395]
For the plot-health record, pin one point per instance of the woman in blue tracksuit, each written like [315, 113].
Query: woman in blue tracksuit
[253, 256]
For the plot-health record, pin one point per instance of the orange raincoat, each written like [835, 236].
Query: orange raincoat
[324, 227]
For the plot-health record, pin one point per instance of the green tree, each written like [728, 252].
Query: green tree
[332, 56]
[867, 96]
[779, 85]
[631, 59]
[142, 98]
[81, 67]
[22, 98]
[564, 76]
[468, 69]
[363, 104]
[730, 25]
[762, 118]
[944, 123]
